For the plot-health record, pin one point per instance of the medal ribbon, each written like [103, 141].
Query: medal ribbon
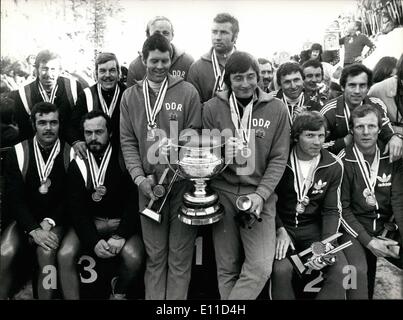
[242, 125]
[370, 181]
[43, 168]
[108, 111]
[151, 113]
[301, 185]
[98, 173]
[45, 96]
[219, 77]
[299, 104]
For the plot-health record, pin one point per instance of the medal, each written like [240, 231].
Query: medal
[371, 200]
[300, 208]
[369, 179]
[159, 190]
[242, 125]
[246, 152]
[44, 169]
[366, 192]
[151, 112]
[98, 173]
[101, 190]
[150, 134]
[96, 196]
[43, 189]
[105, 109]
[305, 201]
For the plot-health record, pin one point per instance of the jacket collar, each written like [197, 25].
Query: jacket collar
[349, 156]
[326, 159]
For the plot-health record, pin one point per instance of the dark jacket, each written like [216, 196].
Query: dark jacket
[337, 127]
[324, 206]
[359, 219]
[28, 206]
[120, 201]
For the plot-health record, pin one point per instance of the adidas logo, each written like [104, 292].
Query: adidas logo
[384, 180]
[318, 186]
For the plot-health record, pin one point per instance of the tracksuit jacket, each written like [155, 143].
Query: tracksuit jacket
[181, 105]
[181, 62]
[201, 75]
[272, 140]
[359, 219]
[337, 127]
[324, 197]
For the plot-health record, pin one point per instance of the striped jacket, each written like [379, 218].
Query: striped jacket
[359, 219]
[337, 123]
[324, 197]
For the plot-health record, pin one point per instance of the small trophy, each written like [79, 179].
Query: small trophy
[160, 192]
[245, 217]
[318, 251]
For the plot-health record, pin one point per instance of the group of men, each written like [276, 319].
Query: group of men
[306, 165]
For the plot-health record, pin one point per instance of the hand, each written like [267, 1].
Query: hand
[348, 139]
[45, 225]
[298, 110]
[379, 248]
[102, 250]
[146, 187]
[80, 148]
[257, 204]
[283, 241]
[395, 148]
[46, 239]
[115, 245]
[231, 148]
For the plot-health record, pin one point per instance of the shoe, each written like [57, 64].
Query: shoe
[116, 296]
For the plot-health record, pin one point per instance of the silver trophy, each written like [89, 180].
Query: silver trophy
[244, 217]
[199, 161]
[318, 251]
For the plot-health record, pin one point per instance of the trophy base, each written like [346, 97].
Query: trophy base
[152, 215]
[201, 216]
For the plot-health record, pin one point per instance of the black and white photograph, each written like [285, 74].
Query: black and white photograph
[201, 154]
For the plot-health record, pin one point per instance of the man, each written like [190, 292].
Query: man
[308, 207]
[372, 194]
[105, 95]
[354, 43]
[103, 205]
[290, 79]
[207, 73]
[355, 81]
[266, 74]
[153, 107]
[181, 61]
[243, 277]
[50, 86]
[314, 85]
[35, 175]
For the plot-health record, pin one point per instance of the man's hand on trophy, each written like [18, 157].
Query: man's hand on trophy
[283, 241]
[231, 148]
[146, 187]
[257, 204]
[380, 248]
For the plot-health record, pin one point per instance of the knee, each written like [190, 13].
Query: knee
[45, 256]
[133, 254]
[67, 255]
[282, 268]
[8, 251]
